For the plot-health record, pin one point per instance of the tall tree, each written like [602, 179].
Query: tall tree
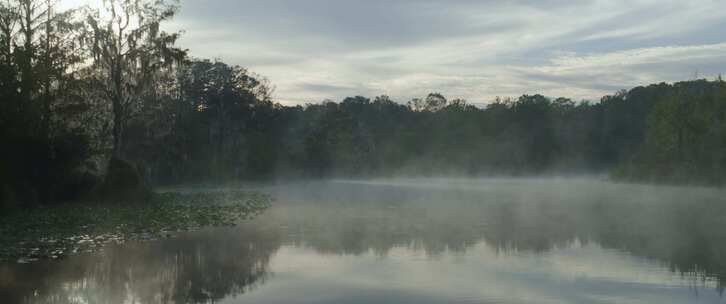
[129, 51]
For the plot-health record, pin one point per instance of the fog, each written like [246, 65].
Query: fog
[602, 237]
[364, 153]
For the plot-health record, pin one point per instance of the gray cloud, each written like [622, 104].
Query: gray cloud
[317, 49]
[326, 88]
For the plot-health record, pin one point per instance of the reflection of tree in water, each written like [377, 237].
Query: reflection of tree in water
[201, 267]
[686, 230]
[689, 235]
[682, 229]
[354, 220]
[355, 230]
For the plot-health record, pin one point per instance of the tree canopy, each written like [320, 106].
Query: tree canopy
[80, 87]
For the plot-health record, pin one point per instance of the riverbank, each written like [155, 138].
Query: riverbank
[55, 232]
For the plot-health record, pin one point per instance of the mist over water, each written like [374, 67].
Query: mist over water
[137, 169]
[419, 241]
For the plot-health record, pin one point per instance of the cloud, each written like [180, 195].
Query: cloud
[653, 55]
[608, 72]
[572, 274]
[330, 49]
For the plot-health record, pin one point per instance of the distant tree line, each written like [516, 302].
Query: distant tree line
[85, 88]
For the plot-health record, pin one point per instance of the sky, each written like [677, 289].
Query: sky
[313, 50]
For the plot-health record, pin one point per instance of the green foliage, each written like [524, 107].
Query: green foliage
[66, 229]
[130, 55]
[685, 136]
[42, 150]
[123, 182]
[81, 87]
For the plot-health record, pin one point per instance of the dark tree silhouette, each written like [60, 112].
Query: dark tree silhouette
[80, 88]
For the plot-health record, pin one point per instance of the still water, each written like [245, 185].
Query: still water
[419, 241]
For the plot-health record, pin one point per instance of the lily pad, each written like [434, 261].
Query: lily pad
[51, 233]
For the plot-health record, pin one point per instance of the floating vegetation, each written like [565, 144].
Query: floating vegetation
[52, 233]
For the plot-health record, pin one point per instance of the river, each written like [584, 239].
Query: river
[558, 240]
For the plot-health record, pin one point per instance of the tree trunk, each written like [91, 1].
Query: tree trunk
[117, 128]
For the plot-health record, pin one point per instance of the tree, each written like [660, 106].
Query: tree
[38, 59]
[435, 102]
[129, 52]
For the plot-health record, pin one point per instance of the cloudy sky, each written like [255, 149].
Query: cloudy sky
[474, 49]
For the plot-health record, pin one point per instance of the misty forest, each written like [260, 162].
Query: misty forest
[100, 108]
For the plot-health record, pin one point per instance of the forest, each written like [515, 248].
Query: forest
[97, 100]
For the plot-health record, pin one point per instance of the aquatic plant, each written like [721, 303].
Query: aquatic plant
[29, 235]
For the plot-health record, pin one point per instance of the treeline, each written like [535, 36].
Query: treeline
[664, 132]
[102, 98]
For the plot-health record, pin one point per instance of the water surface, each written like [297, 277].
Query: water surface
[419, 241]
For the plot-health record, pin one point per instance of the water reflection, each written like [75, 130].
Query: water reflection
[200, 267]
[419, 241]
[681, 228]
